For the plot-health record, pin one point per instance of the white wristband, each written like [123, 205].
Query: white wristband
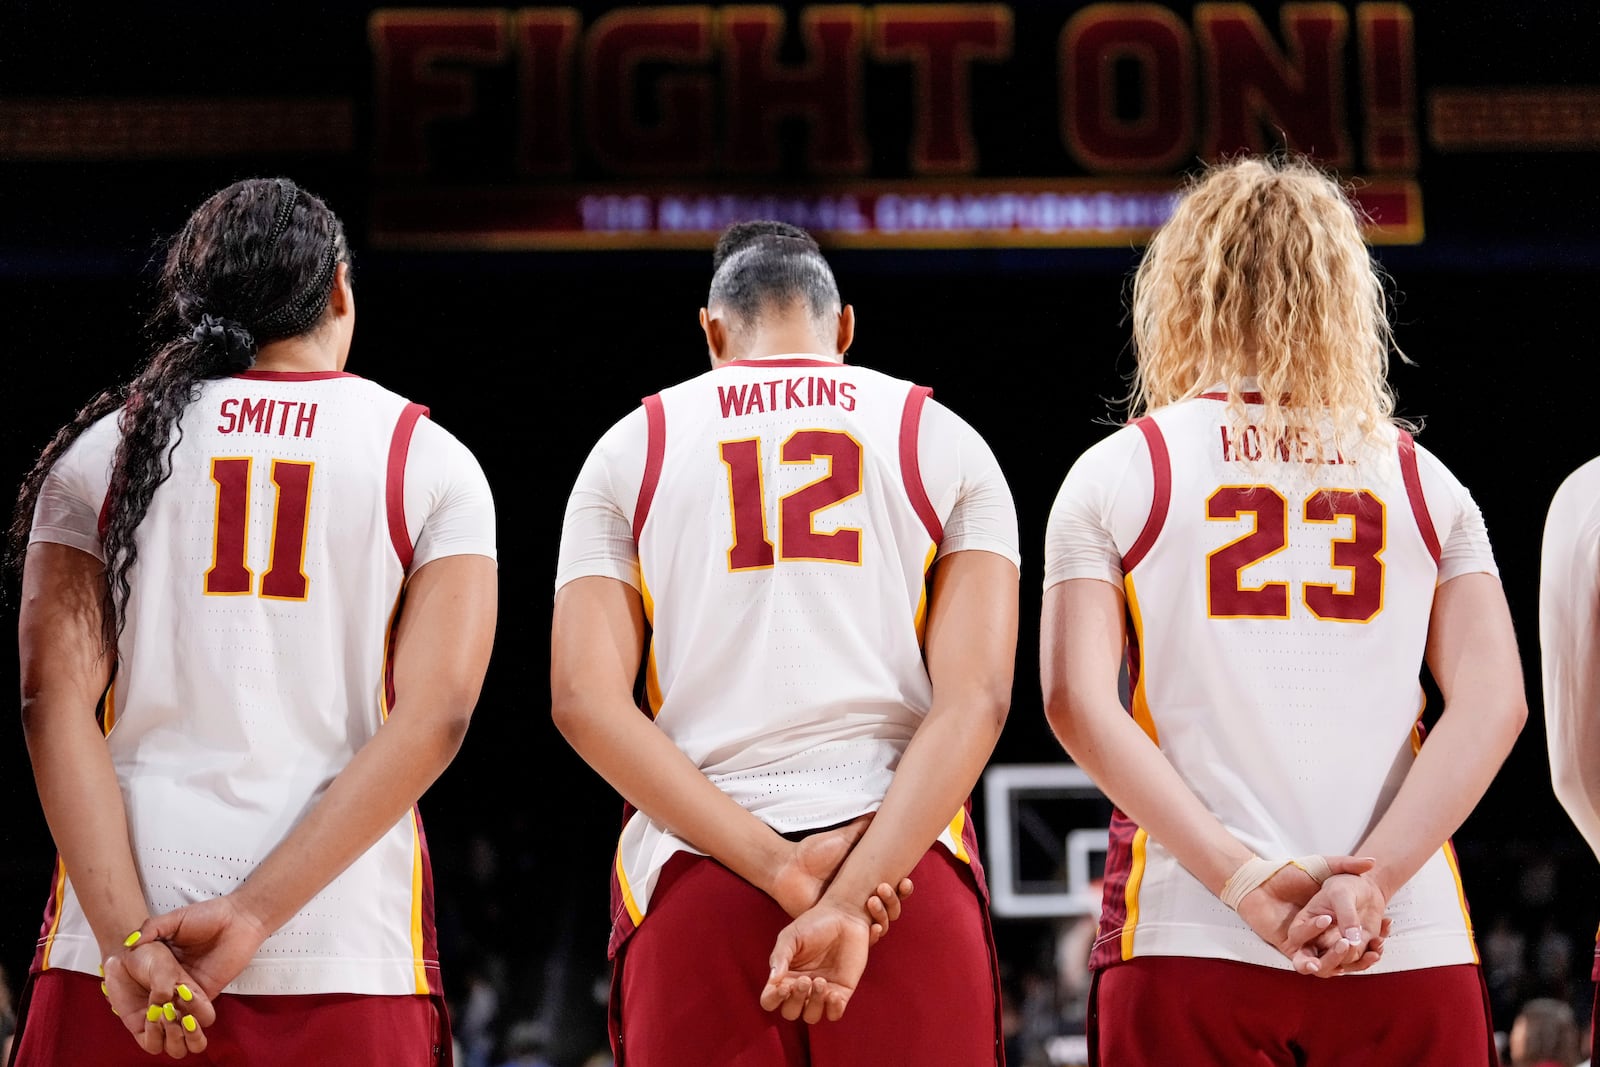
[1316, 866]
[1251, 873]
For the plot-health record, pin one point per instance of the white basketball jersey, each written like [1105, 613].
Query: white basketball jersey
[784, 537]
[254, 663]
[1278, 600]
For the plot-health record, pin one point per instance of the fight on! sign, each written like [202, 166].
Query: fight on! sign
[890, 125]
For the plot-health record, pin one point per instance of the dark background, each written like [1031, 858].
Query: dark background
[528, 357]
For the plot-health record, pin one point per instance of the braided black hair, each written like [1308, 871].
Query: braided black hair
[255, 263]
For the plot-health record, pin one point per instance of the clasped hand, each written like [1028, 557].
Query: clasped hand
[818, 958]
[1335, 928]
[161, 984]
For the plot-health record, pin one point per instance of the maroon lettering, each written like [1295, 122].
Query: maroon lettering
[1388, 86]
[619, 44]
[791, 394]
[1253, 86]
[546, 40]
[825, 391]
[307, 420]
[252, 411]
[847, 395]
[417, 61]
[941, 42]
[229, 412]
[1094, 42]
[824, 91]
[732, 399]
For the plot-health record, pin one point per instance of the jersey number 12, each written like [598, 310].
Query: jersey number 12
[798, 536]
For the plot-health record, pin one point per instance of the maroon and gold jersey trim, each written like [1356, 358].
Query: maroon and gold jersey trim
[1161, 469]
[910, 466]
[293, 375]
[395, 485]
[798, 361]
[1419, 503]
[655, 450]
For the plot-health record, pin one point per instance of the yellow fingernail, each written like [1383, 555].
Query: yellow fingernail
[169, 1011]
[153, 1014]
[183, 991]
[104, 991]
[189, 1024]
[117, 1013]
[102, 971]
[132, 939]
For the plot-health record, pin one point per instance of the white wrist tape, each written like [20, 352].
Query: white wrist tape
[1316, 866]
[1251, 873]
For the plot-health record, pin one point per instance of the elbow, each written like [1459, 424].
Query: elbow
[994, 708]
[1059, 713]
[1515, 716]
[452, 714]
[566, 712]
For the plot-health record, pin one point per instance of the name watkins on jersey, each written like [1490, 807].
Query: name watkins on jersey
[285, 418]
[786, 393]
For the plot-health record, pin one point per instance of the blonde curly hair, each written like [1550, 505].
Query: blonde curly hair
[1262, 272]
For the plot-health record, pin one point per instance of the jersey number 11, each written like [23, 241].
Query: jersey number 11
[230, 574]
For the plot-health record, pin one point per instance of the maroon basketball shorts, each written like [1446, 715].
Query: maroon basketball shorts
[686, 988]
[65, 1020]
[1156, 1011]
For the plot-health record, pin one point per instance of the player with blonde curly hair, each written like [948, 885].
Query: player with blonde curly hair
[1279, 559]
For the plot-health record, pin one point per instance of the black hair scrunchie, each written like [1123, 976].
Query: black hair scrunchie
[226, 340]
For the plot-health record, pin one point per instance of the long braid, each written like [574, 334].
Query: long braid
[255, 263]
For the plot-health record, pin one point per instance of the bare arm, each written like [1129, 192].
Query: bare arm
[1081, 646]
[1472, 653]
[64, 673]
[597, 641]
[1569, 639]
[446, 631]
[970, 648]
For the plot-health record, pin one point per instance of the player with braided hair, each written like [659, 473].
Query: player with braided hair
[216, 556]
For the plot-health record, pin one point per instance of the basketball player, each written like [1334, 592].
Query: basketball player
[817, 566]
[217, 558]
[1569, 641]
[1279, 558]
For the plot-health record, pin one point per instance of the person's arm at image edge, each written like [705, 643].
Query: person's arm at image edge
[64, 672]
[1569, 639]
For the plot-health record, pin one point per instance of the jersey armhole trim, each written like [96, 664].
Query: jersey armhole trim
[1161, 498]
[395, 483]
[655, 449]
[911, 468]
[1419, 502]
